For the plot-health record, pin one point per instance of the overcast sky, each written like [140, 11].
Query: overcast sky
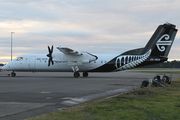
[83, 25]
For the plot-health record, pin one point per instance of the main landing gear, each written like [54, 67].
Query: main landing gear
[85, 74]
[77, 74]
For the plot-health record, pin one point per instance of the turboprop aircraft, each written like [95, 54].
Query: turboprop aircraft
[68, 60]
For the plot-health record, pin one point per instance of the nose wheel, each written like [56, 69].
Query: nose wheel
[13, 74]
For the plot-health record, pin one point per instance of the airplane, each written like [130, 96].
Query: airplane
[68, 60]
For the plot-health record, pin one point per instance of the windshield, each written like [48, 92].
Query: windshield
[18, 59]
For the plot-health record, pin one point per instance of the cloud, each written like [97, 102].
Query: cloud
[88, 25]
[63, 33]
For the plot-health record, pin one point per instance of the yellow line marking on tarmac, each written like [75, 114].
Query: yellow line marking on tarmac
[5, 73]
[45, 92]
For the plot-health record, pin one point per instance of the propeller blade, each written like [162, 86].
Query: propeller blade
[49, 62]
[50, 50]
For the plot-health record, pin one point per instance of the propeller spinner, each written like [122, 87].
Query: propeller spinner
[50, 55]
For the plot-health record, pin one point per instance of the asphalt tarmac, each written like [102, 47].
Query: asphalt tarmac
[33, 94]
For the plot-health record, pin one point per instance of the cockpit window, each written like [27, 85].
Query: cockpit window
[19, 59]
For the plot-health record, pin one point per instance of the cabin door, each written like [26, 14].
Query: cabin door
[32, 62]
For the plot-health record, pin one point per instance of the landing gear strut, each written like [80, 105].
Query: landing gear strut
[76, 72]
[75, 69]
[13, 74]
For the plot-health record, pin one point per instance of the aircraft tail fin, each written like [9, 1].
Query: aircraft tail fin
[161, 41]
[155, 51]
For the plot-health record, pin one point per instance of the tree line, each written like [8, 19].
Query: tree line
[166, 64]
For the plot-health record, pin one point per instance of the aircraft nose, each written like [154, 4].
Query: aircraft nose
[6, 67]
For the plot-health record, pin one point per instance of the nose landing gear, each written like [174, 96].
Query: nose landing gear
[13, 74]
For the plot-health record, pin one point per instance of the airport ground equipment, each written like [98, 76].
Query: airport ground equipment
[158, 80]
[162, 79]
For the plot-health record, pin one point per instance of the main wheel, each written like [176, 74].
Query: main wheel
[76, 74]
[167, 80]
[85, 74]
[13, 74]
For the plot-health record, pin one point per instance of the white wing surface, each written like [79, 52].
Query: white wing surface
[74, 57]
[69, 51]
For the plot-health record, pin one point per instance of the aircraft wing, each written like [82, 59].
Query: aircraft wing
[74, 57]
[69, 51]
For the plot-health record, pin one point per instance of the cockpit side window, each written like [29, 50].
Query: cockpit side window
[19, 59]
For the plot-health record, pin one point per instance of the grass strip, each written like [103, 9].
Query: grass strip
[158, 104]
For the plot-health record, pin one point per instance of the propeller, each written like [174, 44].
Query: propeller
[50, 55]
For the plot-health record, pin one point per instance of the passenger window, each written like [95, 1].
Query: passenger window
[19, 59]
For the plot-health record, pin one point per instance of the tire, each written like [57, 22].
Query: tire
[167, 80]
[13, 74]
[85, 74]
[76, 74]
[144, 83]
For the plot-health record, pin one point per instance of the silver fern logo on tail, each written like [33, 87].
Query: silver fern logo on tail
[161, 44]
[130, 61]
